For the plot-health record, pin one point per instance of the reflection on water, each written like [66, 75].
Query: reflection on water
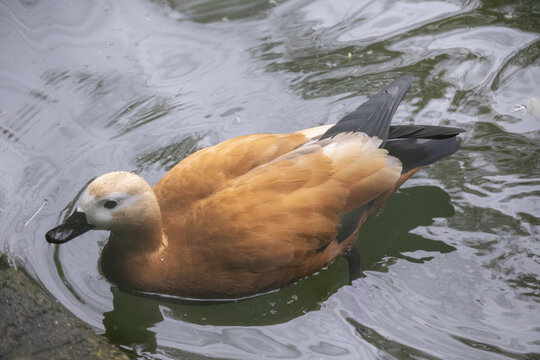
[225, 10]
[388, 347]
[449, 269]
[406, 211]
[131, 320]
[165, 157]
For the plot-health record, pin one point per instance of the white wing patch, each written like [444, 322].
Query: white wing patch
[343, 145]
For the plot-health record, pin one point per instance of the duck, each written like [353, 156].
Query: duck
[258, 212]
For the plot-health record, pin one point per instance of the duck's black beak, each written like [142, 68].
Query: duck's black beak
[74, 226]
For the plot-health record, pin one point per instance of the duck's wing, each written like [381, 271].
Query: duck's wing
[204, 172]
[285, 213]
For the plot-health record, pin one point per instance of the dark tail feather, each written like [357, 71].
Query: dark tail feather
[415, 153]
[373, 117]
[414, 145]
[422, 132]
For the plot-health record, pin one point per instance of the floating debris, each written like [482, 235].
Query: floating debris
[519, 108]
[37, 212]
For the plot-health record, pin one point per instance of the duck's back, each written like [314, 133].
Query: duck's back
[206, 171]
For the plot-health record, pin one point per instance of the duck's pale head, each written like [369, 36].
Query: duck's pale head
[118, 201]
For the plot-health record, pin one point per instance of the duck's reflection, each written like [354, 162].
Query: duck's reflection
[130, 321]
[388, 235]
[381, 240]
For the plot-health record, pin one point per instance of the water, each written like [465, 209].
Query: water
[449, 270]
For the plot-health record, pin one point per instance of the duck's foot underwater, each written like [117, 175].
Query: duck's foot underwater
[353, 259]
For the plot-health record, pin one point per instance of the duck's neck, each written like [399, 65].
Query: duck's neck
[142, 233]
[137, 242]
[133, 249]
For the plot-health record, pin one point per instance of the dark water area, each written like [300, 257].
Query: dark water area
[449, 270]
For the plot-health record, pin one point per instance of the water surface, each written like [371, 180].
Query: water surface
[450, 269]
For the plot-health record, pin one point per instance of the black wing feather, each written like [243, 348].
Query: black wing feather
[422, 132]
[414, 145]
[374, 116]
[414, 153]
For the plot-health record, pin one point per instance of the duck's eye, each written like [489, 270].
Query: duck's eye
[110, 204]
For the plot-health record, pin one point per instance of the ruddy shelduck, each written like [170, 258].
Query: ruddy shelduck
[257, 212]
